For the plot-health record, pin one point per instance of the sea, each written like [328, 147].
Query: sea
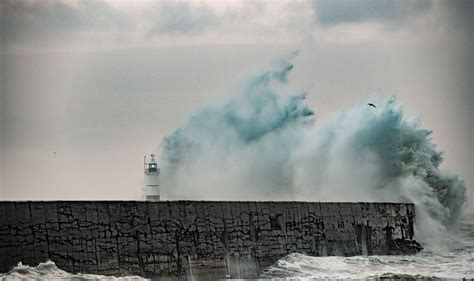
[428, 265]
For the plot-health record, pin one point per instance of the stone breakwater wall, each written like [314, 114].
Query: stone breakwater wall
[179, 238]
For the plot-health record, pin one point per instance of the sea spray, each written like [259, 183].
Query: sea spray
[216, 154]
[49, 271]
[265, 144]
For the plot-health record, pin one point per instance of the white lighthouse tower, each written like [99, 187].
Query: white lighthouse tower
[152, 173]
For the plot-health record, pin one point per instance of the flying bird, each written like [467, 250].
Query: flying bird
[371, 104]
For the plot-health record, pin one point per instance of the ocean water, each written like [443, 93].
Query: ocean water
[49, 271]
[455, 264]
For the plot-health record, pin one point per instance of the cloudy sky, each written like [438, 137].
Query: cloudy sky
[89, 87]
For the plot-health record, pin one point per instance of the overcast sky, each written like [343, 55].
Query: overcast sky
[89, 87]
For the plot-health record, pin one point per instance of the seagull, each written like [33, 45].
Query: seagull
[371, 104]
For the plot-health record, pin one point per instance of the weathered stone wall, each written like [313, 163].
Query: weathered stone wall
[180, 237]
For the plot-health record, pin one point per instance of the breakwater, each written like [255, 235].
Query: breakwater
[183, 238]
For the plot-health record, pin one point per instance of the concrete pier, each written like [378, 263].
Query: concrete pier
[193, 238]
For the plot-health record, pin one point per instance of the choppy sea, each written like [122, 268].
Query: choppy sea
[456, 264]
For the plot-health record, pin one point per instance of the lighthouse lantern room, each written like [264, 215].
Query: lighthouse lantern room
[152, 173]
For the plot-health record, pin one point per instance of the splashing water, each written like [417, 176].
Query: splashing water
[456, 264]
[49, 271]
[266, 144]
[362, 267]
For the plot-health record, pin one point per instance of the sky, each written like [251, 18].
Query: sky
[88, 87]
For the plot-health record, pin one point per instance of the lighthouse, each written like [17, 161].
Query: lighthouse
[152, 173]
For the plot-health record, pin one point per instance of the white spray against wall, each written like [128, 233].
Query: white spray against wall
[263, 144]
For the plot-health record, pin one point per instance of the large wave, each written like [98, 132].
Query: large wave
[264, 143]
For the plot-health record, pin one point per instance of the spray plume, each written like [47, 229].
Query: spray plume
[263, 144]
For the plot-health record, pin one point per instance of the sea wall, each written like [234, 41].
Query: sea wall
[179, 238]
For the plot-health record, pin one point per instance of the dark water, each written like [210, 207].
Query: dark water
[455, 264]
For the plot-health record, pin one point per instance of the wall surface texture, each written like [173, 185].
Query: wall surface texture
[178, 238]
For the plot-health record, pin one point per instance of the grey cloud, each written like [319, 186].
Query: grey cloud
[332, 12]
[49, 20]
[181, 17]
[460, 13]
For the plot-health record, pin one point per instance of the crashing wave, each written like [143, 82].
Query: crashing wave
[265, 144]
[49, 271]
